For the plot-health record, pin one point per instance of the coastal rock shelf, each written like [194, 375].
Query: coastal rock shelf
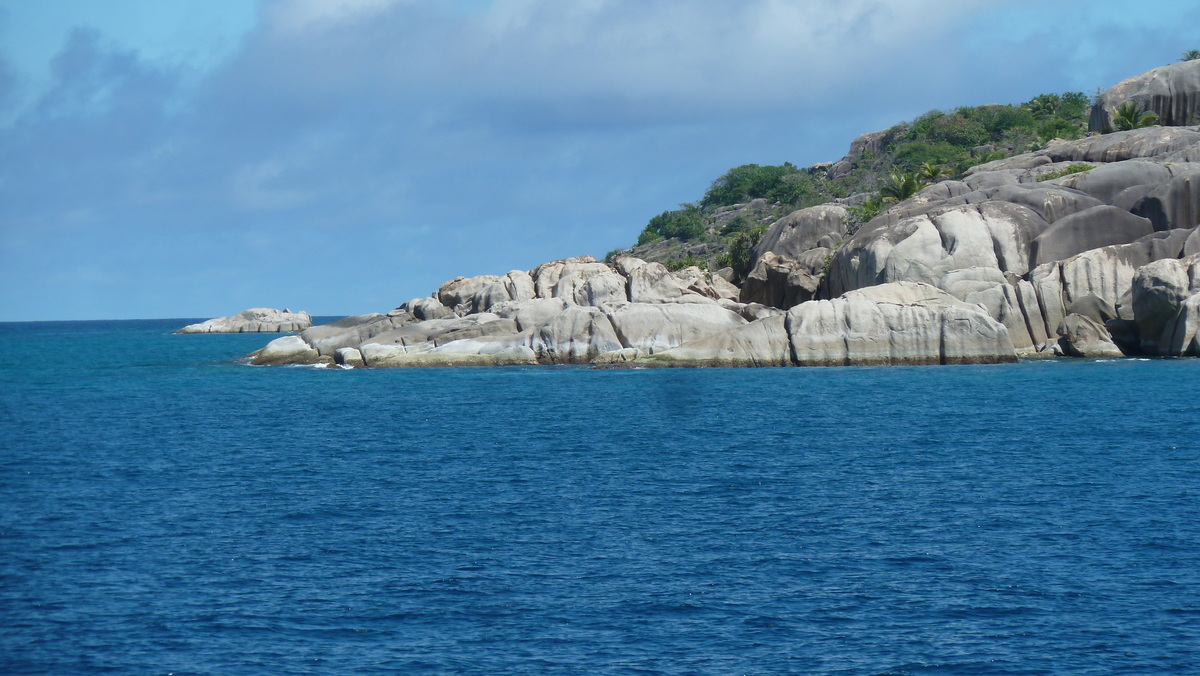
[1086, 248]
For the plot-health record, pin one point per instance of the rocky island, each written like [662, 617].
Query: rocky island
[254, 320]
[1087, 247]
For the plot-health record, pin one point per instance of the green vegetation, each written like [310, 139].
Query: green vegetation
[900, 186]
[784, 184]
[931, 173]
[1190, 55]
[735, 211]
[674, 264]
[1073, 169]
[685, 224]
[1130, 115]
[741, 251]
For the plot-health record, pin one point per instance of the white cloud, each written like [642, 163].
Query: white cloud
[299, 16]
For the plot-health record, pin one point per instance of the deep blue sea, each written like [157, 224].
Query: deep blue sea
[167, 509]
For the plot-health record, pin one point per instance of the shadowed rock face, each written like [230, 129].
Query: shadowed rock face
[1172, 92]
[1166, 306]
[254, 320]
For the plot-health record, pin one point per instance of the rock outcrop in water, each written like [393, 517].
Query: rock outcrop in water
[254, 320]
[1087, 248]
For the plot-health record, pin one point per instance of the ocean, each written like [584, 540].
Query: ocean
[167, 509]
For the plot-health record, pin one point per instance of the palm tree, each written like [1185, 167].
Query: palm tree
[1190, 55]
[900, 187]
[1130, 115]
[930, 172]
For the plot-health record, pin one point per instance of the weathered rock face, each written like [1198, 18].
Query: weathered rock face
[1173, 204]
[287, 350]
[896, 323]
[804, 230]
[580, 281]
[254, 320]
[759, 343]
[871, 142]
[1166, 306]
[782, 282]
[1172, 92]
[657, 327]
[1081, 336]
[1086, 230]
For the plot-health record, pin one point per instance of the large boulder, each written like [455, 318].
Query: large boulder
[781, 281]
[1107, 181]
[895, 323]
[1173, 204]
[1166, 306]
[580, 281]
[1081, 336]
[577, 335]
[1086, 230]
[287, 350]
[465, 295]
[1172, 92]
[759, 343]
[254, 320]
[658, 327]
[924, 248]
[800, 231]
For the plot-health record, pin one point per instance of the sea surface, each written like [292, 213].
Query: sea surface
[167, 509]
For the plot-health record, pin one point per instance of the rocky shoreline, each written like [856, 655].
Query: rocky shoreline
[1087, 248]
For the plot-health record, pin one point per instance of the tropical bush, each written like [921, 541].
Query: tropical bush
[1073, 169]
[684, 224]
[900, 186]
[1130, 115]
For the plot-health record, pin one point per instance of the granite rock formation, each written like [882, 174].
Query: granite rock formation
[254, 320]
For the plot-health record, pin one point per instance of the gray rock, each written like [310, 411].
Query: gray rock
[925, 248]
[1165, 306]
[1173, 204]
[1150, 142]
[872, 142]
[349, 331]
[658, 327]
[782, 282]
[649, 282]
[581, 281]
[254, 320]
[1106, 181]
[287, 350]
[1172, 92]
[349, 357]
[1081, 336]
[1086, 230]
[759, 343]
[426, 308]
[577, 335]
[821, 226]
[895, 323]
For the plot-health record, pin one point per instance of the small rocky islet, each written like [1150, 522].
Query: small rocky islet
[1086, 248]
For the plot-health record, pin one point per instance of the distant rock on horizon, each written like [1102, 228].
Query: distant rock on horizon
[254, 320]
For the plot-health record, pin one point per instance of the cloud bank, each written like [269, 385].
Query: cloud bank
[351, 154]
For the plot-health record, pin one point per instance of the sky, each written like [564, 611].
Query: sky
[194, 158]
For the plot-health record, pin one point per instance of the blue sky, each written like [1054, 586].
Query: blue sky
[193, 158]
